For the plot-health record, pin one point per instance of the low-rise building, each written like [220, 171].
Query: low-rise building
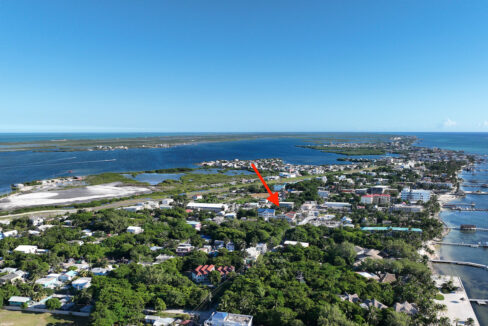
[81, 283]
[295, 243]
[184, 248]
[228, 319]
[19, 301]
[266, 213]
[207, 207]
[26, 249]
[10, 278]
[135, 229]
[415, 195]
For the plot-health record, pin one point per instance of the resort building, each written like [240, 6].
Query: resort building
[415, 195]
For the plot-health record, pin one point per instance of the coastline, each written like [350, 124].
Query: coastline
[455, 302]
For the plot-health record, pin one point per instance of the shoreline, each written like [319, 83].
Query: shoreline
[455, 305]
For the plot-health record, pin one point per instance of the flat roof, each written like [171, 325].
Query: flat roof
[19, 299]
[209, 205]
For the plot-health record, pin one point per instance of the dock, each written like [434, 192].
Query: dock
[477, 229]
[481, 302]
[476, 192]
[472, 245]
[455, 262]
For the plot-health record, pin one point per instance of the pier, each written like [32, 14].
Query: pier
[476, 192]
[472, 245]
[476, 229]
[455, 262]
[481, 302]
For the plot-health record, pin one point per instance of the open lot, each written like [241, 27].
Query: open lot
[18, 318]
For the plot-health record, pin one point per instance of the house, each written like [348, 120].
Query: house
[368, 304]
[262, 247]
[346, 220]
[353, 298]
[99, 271]
[12, 233]
[219, 244]
[195, 224]
[230, 246]
[184, 248]
[406, 307]
[252, 254]
[227, 319]
[368, 275]
[197, 197]
[36, 220]
[337, 205]
[266, 213]
[19, 301]
[387, 278]
[162, 258]
[135, 229]
[207, 207]
[200, 274]
[10, 278]
[287, 204]
[68, 276]
[48, 282]
[26, 249]
[295, 243]
[159, 321]
[87, 232]
[323, 193]
[167, 201]
[45, 227]
[232, 215]
[81, 283]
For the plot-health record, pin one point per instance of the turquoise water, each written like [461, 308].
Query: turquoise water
[475, 280]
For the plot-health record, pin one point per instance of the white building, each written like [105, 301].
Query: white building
[81, 283]
[295, 243]
[415, 195]
[36, 220]
[228, 319]
[337, 205]
[135, 229]
[26, 249]
[207, 207]
[167, 201]
[323, 193]
[12, 233]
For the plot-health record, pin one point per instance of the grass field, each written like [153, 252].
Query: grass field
[18, 318]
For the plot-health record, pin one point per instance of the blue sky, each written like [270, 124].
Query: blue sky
[243, 65]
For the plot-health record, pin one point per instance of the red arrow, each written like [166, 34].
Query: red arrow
[272, 197]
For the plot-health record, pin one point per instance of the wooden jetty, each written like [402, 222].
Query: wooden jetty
[455, 262]
[472, 245]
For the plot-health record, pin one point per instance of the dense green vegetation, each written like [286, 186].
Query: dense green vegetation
[111, 177]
